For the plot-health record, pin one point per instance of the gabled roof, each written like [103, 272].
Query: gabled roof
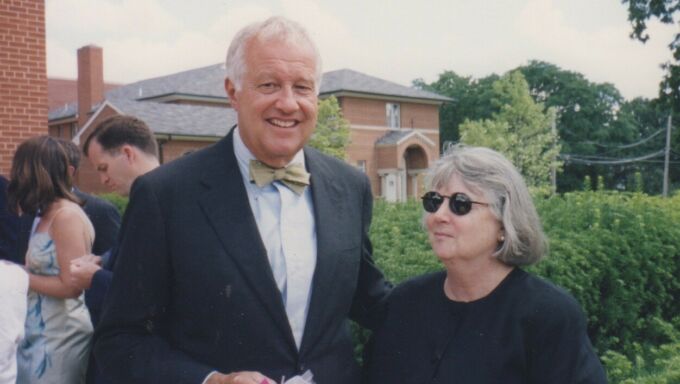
[399, 136]
[178, 119]
[205, 81]
[173, 119]
[347, 80]
[144, 99]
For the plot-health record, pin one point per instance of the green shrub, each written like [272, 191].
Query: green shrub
[617, 253]
[400, 245]
[651, 365]
[119, 201]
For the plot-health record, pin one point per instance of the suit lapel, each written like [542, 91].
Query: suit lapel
[225, 204]
[329, 217]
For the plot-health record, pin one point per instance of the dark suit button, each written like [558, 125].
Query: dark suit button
[301, 368]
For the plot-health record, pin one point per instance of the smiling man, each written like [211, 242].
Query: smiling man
[242, 262]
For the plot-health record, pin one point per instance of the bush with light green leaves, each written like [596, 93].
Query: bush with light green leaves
[617, 253]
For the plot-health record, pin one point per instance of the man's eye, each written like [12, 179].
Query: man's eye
[267, 86]
[302, 88]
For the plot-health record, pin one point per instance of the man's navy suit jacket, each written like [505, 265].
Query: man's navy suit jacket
[9, 226]
[193, 290]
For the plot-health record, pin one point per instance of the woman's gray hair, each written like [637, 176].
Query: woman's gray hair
[486, 171]
[273, 29]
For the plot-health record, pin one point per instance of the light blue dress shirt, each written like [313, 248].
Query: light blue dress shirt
[286, 224]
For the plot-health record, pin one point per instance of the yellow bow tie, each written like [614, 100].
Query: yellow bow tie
[293, 176]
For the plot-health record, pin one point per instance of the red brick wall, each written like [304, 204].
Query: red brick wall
[174, 149]
[23, 75]
[362, 147]
[419, 116]
[369, 112]
[372, 112]
[65, 130]
[90, 80]
[364, 111]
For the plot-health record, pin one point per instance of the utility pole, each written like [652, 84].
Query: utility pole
[666, 162]
[553, 168]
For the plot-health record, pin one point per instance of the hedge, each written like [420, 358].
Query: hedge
[617, 253]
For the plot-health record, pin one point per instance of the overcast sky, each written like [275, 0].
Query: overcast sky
[394, 40]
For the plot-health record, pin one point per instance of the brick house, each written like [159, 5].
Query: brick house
[394, 132]
[23, 78]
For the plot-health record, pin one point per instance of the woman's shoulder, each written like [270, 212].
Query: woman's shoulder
[415, 287]
[546, 300]
[68, 215]
[66, 210]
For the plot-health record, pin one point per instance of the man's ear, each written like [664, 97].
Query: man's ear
[230, 87]
[129, 152]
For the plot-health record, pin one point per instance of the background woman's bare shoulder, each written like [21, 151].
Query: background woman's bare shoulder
[69, 218]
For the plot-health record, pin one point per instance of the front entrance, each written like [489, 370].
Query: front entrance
[403, 158]
[415, 160]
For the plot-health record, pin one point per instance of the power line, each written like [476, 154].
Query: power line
[659, 162]
[569, 158]
[618, 146]
[631, 145]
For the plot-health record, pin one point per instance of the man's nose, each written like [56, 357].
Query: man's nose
[287, 100]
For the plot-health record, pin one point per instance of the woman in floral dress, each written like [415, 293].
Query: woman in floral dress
[58, 329]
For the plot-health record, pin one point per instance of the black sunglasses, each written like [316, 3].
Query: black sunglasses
[459, 203]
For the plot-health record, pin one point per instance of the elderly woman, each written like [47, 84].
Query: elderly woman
[58, 329]
[483, 319]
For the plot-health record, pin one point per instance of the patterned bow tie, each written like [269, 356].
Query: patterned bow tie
[293, 176]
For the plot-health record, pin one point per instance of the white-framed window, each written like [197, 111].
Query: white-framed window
[393, 115]
[361, 165]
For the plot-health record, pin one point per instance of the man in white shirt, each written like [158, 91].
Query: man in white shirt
[13, 290]
[242, 262]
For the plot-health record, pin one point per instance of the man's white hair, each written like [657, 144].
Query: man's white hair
[273, 29]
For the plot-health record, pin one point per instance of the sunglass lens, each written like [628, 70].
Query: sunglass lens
[432, 201]
[460, 204]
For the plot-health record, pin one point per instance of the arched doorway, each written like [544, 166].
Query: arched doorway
[415, 163]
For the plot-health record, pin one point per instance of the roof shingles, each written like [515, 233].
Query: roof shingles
[196, 120]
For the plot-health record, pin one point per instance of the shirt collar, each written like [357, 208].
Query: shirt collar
[243, 156]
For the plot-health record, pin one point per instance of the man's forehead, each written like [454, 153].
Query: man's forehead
[98, 155]
[301, 73]
[281, 48]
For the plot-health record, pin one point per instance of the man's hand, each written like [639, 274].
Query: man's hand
[239, 378]
[82, 269]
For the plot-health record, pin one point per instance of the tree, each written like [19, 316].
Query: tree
[471, 101]
[331, 135]
[456, 87]
[650, 119]
[639, 12]
[586, 113]
[521, 130]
